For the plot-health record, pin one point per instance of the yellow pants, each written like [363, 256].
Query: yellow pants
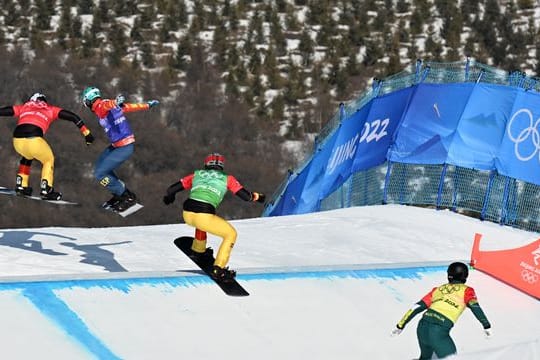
[214, 225]
[36, 148]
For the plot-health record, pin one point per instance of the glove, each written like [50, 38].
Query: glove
[168, 199]
[120, 100]
[488, 333]
[258, 197]
[152, 103]
[396, 332]
[89, 138]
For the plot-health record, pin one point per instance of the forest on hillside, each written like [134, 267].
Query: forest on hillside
[250, 79]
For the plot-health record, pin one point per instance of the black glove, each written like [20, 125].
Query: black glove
[168, 199]
[259, 197]
[89, 138]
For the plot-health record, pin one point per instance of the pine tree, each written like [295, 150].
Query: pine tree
[402, 6]
[470, 10]
[146, 17]
[182, 16]
[394, 63]
[291, 21]
[278, 108]
[86, 6]
[233, 19]
[12, 14]
[36, 39]
[277, 34]
[76, 28]
[24, 6]
[220, 43]
[257, 87]
[43, 19]
[97, 25]
[135, 33]
[353, 68]
[306, 47]
[165, 30]
[147, 56]
[231, 87]
[270, 68]
[432, 47]
[294, 86]
[318, 11]
[103, 11]
[64, 28]
[200, 16]
[255, 28]
[182, 51]
[255, 62]
[117, 39]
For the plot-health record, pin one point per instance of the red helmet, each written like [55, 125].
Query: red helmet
[214, 161]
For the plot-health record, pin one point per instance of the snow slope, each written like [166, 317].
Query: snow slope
[329, 285]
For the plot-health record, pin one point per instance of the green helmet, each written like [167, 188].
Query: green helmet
[89, 95]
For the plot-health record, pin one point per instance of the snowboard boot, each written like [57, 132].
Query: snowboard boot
[23, 191]
[127, 200]
[206, 257]
[223, 274]
[111, 202]
[48, 193]
[20, 189]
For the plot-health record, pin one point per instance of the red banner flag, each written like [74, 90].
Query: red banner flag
[519, 267]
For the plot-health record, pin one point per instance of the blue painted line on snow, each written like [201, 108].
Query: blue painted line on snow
[57, 310]
[125, 285]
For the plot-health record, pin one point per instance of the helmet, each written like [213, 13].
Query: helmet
[90, 94]
[37, 97]
[457, 272]
[214, 161]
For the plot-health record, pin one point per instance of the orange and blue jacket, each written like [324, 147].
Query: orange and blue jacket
[114, 122]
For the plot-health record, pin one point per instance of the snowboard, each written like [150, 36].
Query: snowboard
[6, 191]
[130, 210]
[230, 286]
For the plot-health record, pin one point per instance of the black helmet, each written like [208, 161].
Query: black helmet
[457, 273]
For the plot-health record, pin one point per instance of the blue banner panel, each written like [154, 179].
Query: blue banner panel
[519, 152]
[478, 135]
[364, 138]
[287, 202]
[310, 197]
[379, 129]
[428, 126]
[339, 163]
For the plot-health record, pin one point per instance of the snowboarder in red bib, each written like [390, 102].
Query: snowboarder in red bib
[207, 190]
[35, 118]
[111, 114]
[444, 305]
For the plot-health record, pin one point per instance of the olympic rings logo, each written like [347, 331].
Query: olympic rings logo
[530, 131]
[449, 288]
[529, 276]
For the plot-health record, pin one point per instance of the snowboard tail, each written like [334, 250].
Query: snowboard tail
[130, 210]
[229, 286]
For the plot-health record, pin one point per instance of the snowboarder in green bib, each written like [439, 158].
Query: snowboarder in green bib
[444, 305]
[207, 190]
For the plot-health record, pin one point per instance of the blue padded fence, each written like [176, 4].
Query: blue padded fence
[461, 136]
